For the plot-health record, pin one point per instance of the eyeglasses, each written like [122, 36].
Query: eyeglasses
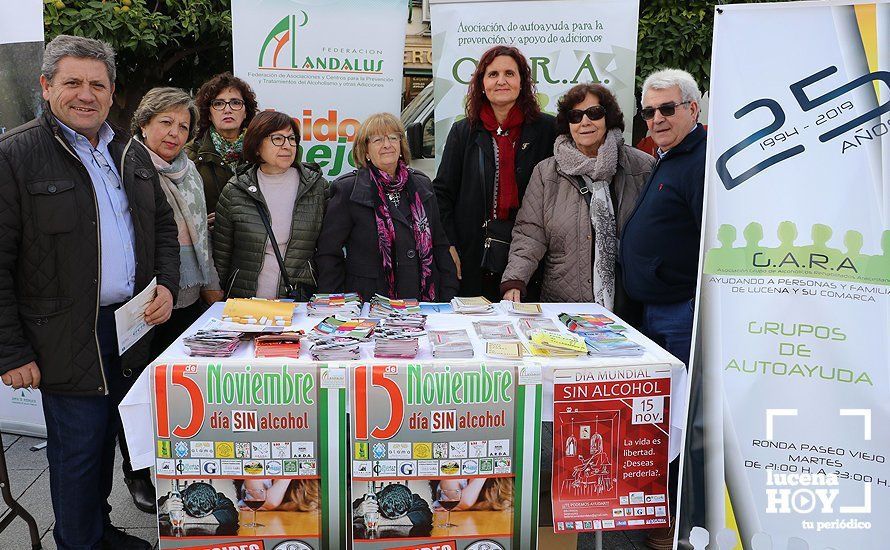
[234, 104]
[391, 138]
[668, 109]
[278, 140]
[595, 112]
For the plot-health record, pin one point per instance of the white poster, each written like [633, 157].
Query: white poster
[327, 63]
[567, 42]
[21, 53]
[793, 303]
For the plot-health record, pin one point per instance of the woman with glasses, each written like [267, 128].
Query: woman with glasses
[226, 105]
[486, 165]
[384, 215]
[270, 215]
[576, 203]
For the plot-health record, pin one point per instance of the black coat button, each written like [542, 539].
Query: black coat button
[411, 253]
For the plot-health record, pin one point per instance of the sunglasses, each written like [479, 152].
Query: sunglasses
[220, 104]
[666, 110]
[593, 113]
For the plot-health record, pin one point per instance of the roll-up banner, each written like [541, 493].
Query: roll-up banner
[567, 42]
[327, 63]
[445, 456]
[793, 309]
[251, 456]
[21, 53]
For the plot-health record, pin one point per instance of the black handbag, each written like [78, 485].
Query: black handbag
[497, 233]
[301, 292]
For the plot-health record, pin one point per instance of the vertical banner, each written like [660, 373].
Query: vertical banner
[793, 308]
[567, 42]
[250, 456]
[445, 456]
[327, 63]
[21, 53]
[610, 448]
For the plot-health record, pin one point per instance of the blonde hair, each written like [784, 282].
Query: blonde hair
[378, 124]
[302, 495]
[496, 494]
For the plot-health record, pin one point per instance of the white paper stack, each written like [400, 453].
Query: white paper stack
[334, 349]
[451, 344]
[476, 305]
[212, 343]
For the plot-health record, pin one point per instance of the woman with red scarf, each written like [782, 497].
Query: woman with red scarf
[486, 165]
[384, 217]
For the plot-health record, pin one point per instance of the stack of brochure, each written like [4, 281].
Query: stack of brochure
[589, 322]
[397, 343]
[517, 308]
[334, 348]
[505, 349]
[477, 305]
[546, 343]
[494, 330]
[603, 336]
[212, 343]
[609, 343]
[451, 344]
[528, 324]
[346, 305]
[406, 321]
[336, 325]
[284, 344]
[381, 306]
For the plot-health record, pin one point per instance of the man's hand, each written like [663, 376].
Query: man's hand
[26, 376]
[211, 217]
[159, 310]
[456, 258]
[513, 295]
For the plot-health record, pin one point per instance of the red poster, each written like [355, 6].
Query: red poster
[610, 448]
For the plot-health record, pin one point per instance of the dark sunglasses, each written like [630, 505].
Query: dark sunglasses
[668, 109]
[593, 113]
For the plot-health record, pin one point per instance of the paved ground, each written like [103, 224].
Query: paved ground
[29, 478]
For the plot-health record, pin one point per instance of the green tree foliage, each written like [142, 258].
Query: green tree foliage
[158, 42]
[678, 33]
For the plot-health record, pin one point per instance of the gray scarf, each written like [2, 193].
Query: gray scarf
[597, 174]
[184, 189]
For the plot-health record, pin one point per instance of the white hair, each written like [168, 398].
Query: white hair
[668, 78]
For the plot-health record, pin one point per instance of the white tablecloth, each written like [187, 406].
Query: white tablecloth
[136, 410]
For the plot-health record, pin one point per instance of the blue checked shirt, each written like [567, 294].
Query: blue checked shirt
[117, 236]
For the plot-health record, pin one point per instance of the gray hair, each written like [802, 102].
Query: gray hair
[66, 45]
[160, 100]
[668, 78]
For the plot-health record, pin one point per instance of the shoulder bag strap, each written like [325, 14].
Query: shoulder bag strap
[585, 190]
[288, 287]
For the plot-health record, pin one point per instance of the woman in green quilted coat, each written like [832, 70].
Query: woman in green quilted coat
[271, 192]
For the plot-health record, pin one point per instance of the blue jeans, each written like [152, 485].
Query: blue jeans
[670, 326]
[80, 437]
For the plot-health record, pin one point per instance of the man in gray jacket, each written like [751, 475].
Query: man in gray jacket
[85, 227]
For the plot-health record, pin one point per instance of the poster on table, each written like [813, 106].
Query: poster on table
[445, 456]
[21, 53]
[793, 303]
[567, 42]
[249, 455]
[611, 431]
[327, 63]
